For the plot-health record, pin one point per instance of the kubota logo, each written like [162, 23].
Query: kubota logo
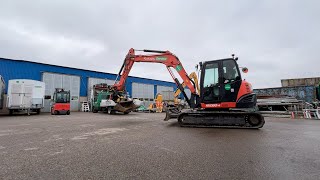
[213, 105]
[149, 58]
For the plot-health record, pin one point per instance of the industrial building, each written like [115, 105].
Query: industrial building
[78, 81]
[304, 89]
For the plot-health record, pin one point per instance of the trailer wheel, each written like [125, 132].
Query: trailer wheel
[111, 111]
[104, 110]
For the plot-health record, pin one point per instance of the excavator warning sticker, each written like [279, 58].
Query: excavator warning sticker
[178, 68]
[161, 58]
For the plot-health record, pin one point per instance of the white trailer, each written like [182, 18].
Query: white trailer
[2, 89]
[25, 95]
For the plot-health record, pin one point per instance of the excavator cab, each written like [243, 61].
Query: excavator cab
[225, 99]
[220, 81]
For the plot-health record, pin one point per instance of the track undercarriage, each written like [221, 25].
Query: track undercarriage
[225, 119]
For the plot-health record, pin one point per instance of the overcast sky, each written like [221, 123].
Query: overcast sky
[274, 39]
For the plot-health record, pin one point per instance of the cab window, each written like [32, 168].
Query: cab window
[230, 71]
[211, 75]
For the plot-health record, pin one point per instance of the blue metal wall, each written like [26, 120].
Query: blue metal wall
[19, 69]
[306, 93]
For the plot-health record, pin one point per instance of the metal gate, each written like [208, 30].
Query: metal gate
[160, 89]
[68, 82]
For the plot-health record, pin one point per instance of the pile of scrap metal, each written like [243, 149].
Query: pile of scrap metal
[107, 99]
[312, 110]
[156, 106]
[288, 101]
[142, 108]
[317, 103]
[278, 105]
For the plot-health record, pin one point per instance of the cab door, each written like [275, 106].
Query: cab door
[211, 82]
[231, 80]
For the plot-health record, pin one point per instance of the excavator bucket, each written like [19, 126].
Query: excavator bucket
[125, 106]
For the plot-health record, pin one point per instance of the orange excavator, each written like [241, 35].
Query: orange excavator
[225, 100]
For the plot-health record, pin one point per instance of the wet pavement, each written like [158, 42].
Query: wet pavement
[142, 146]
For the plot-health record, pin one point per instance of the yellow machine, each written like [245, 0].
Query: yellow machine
[159, 102]
[158, 105]
[193, 76]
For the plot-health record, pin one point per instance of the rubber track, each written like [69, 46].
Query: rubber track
[200, 114]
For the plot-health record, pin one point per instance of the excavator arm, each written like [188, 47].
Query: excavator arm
[163, 57]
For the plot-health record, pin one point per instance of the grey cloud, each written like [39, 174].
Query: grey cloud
[274, 39]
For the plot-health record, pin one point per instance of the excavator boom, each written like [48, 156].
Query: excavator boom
[162, 57]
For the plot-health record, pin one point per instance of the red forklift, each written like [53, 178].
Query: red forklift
[60, 102]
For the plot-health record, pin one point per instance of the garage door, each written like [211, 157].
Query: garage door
[143, 92]
[160, 89]
[188, 92]
[67, 82]
[94, 81]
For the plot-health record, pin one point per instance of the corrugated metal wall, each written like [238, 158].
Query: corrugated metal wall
[306, 93]
[300, 82]
[20, 69]
[140, 90]
[143, 92]
[160, 89]
[188, 92]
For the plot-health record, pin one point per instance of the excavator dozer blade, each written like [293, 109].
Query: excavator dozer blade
[172, 113]
[125, 106]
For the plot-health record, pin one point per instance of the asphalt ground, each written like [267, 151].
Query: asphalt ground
[143, 146]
